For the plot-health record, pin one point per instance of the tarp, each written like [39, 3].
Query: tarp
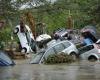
[5, 60]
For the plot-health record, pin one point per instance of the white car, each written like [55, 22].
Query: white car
[90, 52]
[43, 39]
[63, 46]
[26, 39]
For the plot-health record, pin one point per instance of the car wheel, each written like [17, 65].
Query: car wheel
[16, 30]
[92, 58]
[73, 55]
[24, 50]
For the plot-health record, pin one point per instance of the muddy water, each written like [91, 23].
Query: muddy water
[82, 70]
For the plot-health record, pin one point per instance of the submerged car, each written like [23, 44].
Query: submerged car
[90, 52]
[63, 46]
[5, 60]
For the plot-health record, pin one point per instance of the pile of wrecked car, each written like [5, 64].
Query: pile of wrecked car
[62, 41]
[65, 41]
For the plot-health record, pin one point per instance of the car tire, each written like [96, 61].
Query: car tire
[92, 58]
[16, 30]
[73, 55]
[24, 50]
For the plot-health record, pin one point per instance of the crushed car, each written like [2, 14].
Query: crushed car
[62, 34]
[42, 39]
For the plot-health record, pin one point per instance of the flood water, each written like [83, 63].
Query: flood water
[82, 70]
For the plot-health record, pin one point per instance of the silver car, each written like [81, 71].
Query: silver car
[90, 52]
[66, 47]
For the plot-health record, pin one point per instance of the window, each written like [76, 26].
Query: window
[66, 44]
[85, 49]
[58, 48]
[37, 57]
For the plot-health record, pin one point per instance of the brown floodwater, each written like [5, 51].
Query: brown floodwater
[82, 70]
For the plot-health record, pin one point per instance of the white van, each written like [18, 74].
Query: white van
[26, 39]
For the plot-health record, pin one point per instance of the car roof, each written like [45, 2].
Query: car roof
[57, 44]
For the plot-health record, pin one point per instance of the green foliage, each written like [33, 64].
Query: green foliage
[1, 46]
[55, 14]
[5, 34]
[54, 21]
[58, 58]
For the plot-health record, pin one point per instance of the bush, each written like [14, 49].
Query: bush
[58, 58]
[5, 35]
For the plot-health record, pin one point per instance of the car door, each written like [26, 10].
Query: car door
[49, 52]
[68, 47]
[86, 51]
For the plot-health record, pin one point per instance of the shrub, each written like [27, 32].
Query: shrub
[58, 58]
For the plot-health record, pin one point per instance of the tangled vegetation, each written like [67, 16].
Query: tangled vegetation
[59, 58]
[54, 13]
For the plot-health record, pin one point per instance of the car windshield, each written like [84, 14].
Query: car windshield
[36, 59]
